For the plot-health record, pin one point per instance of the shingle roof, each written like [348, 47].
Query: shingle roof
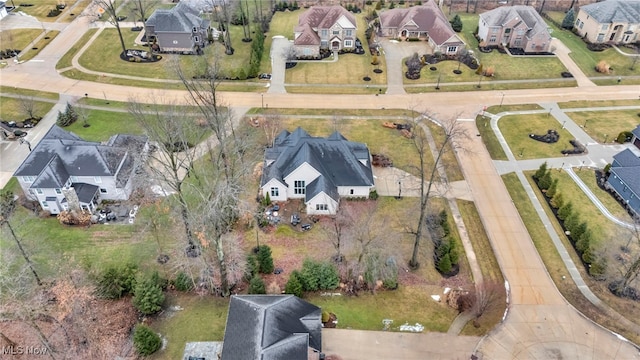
[324, 17]
[271, 327]
[636, 131]
[611, 11]
[337, 159]
[86, 192]
[181, 18]
[428, 17]
[626, 158]
[307, 36]
[527, 14]
[61, 154]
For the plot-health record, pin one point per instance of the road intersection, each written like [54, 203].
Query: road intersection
[540, 324]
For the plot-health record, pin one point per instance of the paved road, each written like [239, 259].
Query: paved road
[540, 325]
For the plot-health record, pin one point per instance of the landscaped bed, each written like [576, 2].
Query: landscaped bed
[516, 130]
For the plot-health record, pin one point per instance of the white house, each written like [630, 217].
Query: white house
[63, 170]
[318, 170]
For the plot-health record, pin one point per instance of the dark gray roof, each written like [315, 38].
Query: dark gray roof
[85, 192]
[610, 11]
[181, 18]
[630, 176]
[336, 158]
[320, 184]
[271, 327]
[636, 131]
[61, 154]
[527, 14]
[626, 158]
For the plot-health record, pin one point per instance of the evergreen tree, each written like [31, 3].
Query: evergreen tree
[557, 200]
[579, 231]
[145, 340]
[551, 191]
[545, 182]
[444, 265]
[571, 223]
[540, 172]
[584, 241]
[294, 286]
[148, 296]
[256, 285]
[378, 5]
[456, 23]
[265, 261]
[565, 211]
[569, 19]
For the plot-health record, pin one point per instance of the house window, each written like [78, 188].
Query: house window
[196, 39]
[275, 191]
[97, 179]
[507, 31]
[73, 179]
[492, 39]
[28, 179]
[452, 49]
[600, 38]
[298, 187]
[336, 32]
[322, 207]
[195, 29]
[39, 191]
[348, 43]
[605, 27]
[581, 24]
[103, 191]
[44, 204]
[351, 192]
[58, 191]
[324, 32]
[306, 51]
[348, 32]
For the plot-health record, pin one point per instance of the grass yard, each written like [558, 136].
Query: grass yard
[11, 109]
[27, 92]
[379, 139]
[38, 46]
[606, 124]
[516, 130]
[65, 61]
[104, 124]
[366, 311]
[587, 59]
[18, 39]
[589, 178]
[449, 160]
[41, 8]
[489, 138]
[496, 109]
[597, 103]
[203, 319]
[488, 265]
[332, 112]
[489, 85]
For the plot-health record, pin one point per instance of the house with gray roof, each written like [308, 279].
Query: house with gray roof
[422, 22]
[64, 172]
[624, 179]
[519, 27]
[611, 22]
[180, 29]
[272, 327]
[317, 170]
[319, 28]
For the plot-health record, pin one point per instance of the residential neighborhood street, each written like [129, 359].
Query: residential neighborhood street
[540, 323]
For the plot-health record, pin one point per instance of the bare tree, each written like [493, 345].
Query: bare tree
[140, 10]
[487, 295]
[337, 231]
[454, 134]
[110, 8]
[272, 127]
[226, 18]
[289, 54]
[28, 106]
[7, 208]
[629, 260]
[171, 163]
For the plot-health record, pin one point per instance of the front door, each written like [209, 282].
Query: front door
[335, 45]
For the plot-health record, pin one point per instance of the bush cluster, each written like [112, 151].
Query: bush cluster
[145, 340]
[313, 276]
[578, 230]
[446, 254]
[183, 282]
[148, 296]
[68, 117]
[116, 282]
[284, 5]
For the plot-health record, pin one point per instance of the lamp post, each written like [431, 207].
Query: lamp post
[564, 122]
[399, 190]
[438, 83]
[502, 99]
[479, 82]
[262, 99]
[605, 138]
[585, 123]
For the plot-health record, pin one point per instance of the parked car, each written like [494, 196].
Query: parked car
[264, 76]
[306, 227]
[295, 219]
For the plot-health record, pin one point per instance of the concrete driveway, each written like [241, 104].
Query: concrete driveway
[279, 46]
[394, 52]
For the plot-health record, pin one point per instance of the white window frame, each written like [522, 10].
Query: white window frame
[39, 191]
[322, 207]
[28, 179]
[299, 187]
[45, 204]
[348, 32]
[451, 49]
[97, 179]
[103, 191]
[58, 191]
[274, 191]
[348, 43]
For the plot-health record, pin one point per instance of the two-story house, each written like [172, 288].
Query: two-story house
[519, 27]
[317, 170]
[611, 21]
[180, 29]
[624, 179]
[63, 171]
[425, 22]
[330, 28]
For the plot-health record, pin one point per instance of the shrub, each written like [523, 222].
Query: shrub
[542, 170]
[374, 60]
[148, 296]
[565, 211]
[557, 200]
[569, 19]
[551, 191]
[183, 282]
[444, 265]
[379, 5]
[490, 71]
[414, 65]
[256, 285]
[145, 340]
[294, 285]
[607, 168]
[603, 67]
[373, 195]
[318, 276]
[252, 266]
[265, 261]
[456, 23]
[115, 282]
[392, 5]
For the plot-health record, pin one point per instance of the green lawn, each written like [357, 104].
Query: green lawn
[606, 124]
[589, 178]
[11, 109]
[489, 138]
[516, 130]
[38, 46]
[587, 59]
[26, 92]
[104, 124]
[41, 8]
[18, 39]
[597, 103]
[65, 61]
[496, 109]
